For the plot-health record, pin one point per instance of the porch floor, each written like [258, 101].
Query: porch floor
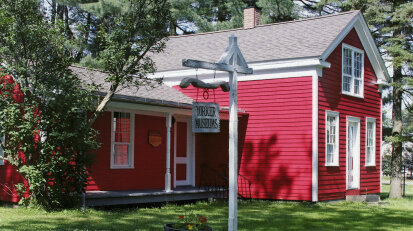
[181, 193]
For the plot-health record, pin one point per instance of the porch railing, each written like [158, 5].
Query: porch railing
[212, 179]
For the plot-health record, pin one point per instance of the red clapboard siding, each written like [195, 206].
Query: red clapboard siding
[8, 178]
[332, 180]
[149, 162]
[274, 138]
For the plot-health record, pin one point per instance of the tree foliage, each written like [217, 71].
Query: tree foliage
[48, 130]
[43, 107]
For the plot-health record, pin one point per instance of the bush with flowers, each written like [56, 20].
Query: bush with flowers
[189, 222]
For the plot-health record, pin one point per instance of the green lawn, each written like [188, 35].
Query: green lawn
[256, 215]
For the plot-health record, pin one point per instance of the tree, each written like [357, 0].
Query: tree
[38, 52]
[129, 31]
[390, 23]
[278, 10]
[43, 107]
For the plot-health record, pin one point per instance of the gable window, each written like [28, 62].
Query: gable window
[352, 76]
[370, 142]
[122, 137]
[332, 129]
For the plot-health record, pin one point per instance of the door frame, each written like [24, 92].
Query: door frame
[356, 154]
[190, 152]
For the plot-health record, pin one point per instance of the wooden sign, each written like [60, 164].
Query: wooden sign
[205, 117]
[154, 138]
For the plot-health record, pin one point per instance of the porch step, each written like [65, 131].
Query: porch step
[105, 198]
[363, 198]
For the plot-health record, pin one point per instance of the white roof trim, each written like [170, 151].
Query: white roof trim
[368, 43]
[275, 67]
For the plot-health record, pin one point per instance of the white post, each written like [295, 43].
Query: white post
[168, 153]
[233, 150]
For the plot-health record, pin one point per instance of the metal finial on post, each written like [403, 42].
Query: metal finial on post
[233, 40]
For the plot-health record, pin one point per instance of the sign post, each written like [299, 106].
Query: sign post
[233, 62]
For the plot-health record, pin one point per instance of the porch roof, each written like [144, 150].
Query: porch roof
[159, 94]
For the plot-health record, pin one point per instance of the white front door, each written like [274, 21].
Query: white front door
[353, 153]
[183, 154]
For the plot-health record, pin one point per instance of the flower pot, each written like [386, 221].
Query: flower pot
[169, 227]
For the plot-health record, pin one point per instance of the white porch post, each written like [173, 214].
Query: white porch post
[168, 153]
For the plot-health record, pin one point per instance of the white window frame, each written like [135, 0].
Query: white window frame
[131, 144]
[373, 162]
[337, 138]
[352, 76]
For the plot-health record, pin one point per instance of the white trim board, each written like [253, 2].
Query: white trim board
[291, 72]
[265, 70]
[314, 187]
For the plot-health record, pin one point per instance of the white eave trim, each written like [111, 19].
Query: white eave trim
[263, 70]
[368, 43]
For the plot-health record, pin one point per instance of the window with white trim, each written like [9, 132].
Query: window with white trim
[332, 143]
[122, 137]
[370, 142]
[353, 73]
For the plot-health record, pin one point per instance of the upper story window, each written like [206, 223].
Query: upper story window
[353, 71]
[332, 128]
[370, 142]
[122, 140]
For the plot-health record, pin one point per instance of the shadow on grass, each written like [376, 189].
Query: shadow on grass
[255, 215]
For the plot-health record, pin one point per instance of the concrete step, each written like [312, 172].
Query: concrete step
[363, 198]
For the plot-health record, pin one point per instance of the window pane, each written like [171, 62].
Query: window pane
[329, 154]
[356, 86]
[331, 139]
[347, 61]
[121, 156]
[357, 65]
[122, 127]
[370, 146]
[346, 83]
[368, 155]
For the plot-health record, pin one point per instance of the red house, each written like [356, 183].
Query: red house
[309, 118]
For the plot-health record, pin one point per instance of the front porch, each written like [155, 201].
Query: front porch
[181, 193]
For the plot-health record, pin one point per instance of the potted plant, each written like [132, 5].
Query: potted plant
[188, 222]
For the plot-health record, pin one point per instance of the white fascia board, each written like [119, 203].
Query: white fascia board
[147, 109]
[368, 43]
[151, 110]
[263, 70]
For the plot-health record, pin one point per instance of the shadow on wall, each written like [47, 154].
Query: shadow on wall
[275, 169]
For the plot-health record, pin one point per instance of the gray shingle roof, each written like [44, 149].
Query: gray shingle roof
[160, 94]
[295, 39]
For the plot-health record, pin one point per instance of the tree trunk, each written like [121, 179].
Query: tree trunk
[102, 105]
[53, 17]
[69, 33]
[79, 55]
[396, 158]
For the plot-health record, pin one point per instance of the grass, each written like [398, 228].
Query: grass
[256, 215]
